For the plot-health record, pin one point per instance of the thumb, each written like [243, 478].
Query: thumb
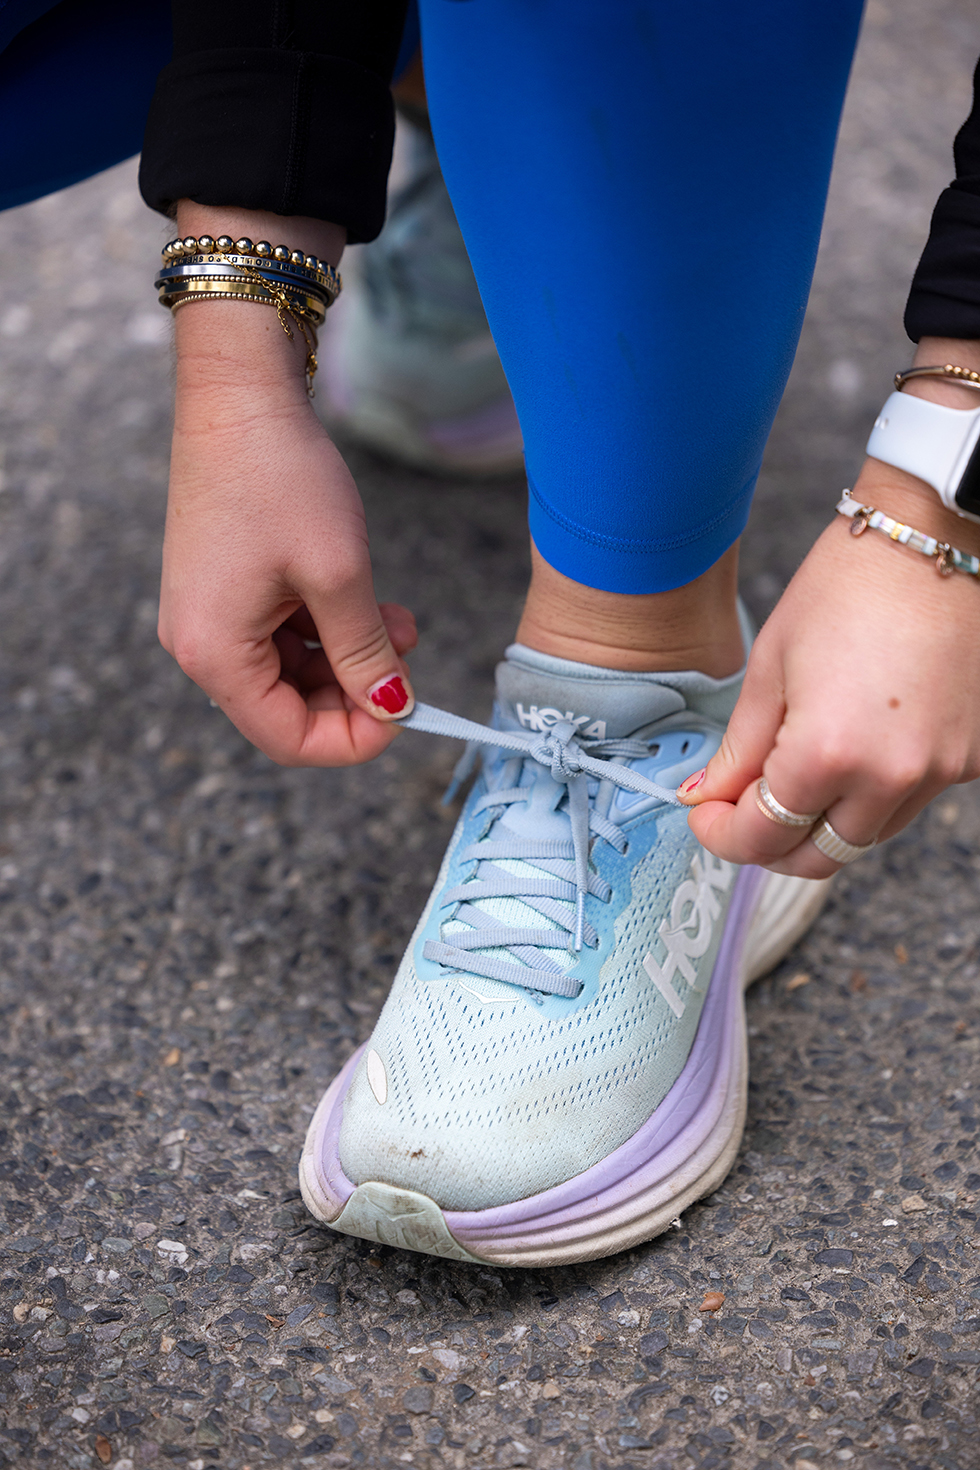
[356, 642]
[750, 737]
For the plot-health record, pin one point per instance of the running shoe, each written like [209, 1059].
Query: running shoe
[409, 365]
[560, 1069]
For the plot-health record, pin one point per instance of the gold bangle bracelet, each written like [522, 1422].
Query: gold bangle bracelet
[964, 377]
[285, 313]
[310, 307]
[241, 293]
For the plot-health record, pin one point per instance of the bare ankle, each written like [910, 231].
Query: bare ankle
[690, 627]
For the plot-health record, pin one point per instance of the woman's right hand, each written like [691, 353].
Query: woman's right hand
[266, 551]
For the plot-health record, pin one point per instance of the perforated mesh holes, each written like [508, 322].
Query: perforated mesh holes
[494, 1099]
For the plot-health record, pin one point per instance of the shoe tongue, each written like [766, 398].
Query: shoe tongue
[536, 691]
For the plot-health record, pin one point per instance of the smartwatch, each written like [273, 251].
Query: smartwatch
[938, 444]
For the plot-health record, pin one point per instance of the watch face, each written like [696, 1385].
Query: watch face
[967, 495]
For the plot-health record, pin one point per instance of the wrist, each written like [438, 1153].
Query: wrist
[226, 346]
[234, 348]
[316, 237]
[915, 440]
[906, 498]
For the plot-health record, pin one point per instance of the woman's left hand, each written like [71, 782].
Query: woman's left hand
[862, 694]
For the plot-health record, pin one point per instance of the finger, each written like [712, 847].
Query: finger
[306, 666]
[401, 627]
[739, 832]
[806, 778]
[304, 663]
[356, 641]
[912, 806]
[751, 734]
[846, 817]
[727, 817]
[324, 728]
[398, 620]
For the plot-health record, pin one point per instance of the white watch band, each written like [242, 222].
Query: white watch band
[928, 440]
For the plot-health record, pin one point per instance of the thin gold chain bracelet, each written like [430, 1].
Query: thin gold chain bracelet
[301, 287]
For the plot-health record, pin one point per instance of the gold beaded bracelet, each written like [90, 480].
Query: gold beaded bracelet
[965, 377]
[300, 287]
[203, 249]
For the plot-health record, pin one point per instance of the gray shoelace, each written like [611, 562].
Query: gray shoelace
[572, 760]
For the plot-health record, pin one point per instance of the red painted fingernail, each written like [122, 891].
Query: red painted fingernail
[692, 783]
[389, 694]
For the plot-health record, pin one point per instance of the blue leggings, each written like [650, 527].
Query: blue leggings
[640, 184]
[76, 80]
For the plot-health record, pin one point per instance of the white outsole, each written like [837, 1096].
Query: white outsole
[785, 909]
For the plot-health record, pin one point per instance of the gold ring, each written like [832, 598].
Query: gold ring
[776, 812]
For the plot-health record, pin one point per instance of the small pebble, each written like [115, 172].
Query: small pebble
[713, 1301]
[797, 981]
[913, 1203]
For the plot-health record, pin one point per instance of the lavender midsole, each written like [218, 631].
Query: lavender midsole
[672, 1135]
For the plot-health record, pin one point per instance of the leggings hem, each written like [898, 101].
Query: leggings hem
[629, 564]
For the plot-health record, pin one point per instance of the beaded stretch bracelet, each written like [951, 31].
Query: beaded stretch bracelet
[948, 560]
[964, 377]
[295, 264]
[300, 287]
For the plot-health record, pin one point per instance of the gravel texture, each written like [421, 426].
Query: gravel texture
[193, 941]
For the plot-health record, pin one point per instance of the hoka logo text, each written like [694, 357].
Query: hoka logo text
[686, 933]
[543, 719]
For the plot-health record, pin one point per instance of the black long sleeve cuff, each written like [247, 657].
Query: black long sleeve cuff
[945, 297]
[300, 122]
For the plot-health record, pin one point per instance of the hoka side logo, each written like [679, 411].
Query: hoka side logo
[543, 719]
[686, 933]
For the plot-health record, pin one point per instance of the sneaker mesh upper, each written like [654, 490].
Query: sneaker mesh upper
[495, 1094]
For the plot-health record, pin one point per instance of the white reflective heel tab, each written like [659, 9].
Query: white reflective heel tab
[928, 440]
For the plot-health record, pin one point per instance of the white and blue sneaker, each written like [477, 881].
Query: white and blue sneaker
[409, 364]
[560, 1069]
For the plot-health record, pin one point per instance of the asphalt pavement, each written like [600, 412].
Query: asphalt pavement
[193, 941]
